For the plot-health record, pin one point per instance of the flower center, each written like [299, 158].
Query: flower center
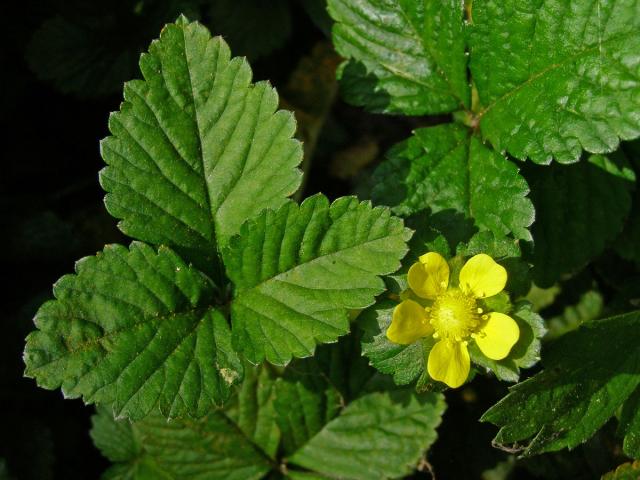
[454, 315]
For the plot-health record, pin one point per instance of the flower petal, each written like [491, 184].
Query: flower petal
[449, 362]
[498, 336]
[429, 276]
[482, 277]
[409, 323]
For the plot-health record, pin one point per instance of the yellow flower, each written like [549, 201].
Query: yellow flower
[453, 316]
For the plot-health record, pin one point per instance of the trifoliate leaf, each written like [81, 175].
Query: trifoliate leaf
[589, 373]
[253, 29]
[380, 435]
[137, 329]
[626, 471]
[629, 426]
[579, 210]
[524, 354]
[555, 77]
[299, 269]
[444, 168]
[402, 56]
[404, 362]
[196, 148]
[254, 412]
[212, 448]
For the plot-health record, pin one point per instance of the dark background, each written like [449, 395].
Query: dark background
[63, 64]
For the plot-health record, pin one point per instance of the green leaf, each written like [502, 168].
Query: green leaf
[380, 435]
[626, 471]
[252, 29]
[212, 448]
[254, 412]
[299, 269]
[446, 168]
[305, 402]
[115, 439]
[588, 375]
[137, 329]
[627, 244]
[404, 362]
[196, 148]
[524, 354]
[629, 426]
[589, 307]
[402, 56]
[579, 210]
[555, 77]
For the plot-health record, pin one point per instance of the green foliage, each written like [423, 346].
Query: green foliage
[579, 210]
[555, 77]
[212, 447]
[137, 329]
[403, 57]
[196, 148]
[299, 269]
[359, 443]
[445, 167]
[300, 414]
[626, 471]
[589, 373]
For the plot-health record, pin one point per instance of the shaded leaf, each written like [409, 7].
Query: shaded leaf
[380, 435]
[579, 210]
[589, 373]
[212, 448]
[445, 167]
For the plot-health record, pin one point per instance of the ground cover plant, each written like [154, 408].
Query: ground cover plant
[416, 256]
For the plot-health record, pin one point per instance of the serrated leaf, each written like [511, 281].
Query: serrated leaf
[403, 56]
[196, 148]
[212, 448]
[254, 412]
[444, 168]
[251, 28]
[626, 471]
[524, 354]
[299, 269]
[137, 329]
[404, 362]
[579, 210]
[555, 77]
[589, 373]
[380, 435]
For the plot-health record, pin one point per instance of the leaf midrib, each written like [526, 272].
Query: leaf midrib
[316, 259]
